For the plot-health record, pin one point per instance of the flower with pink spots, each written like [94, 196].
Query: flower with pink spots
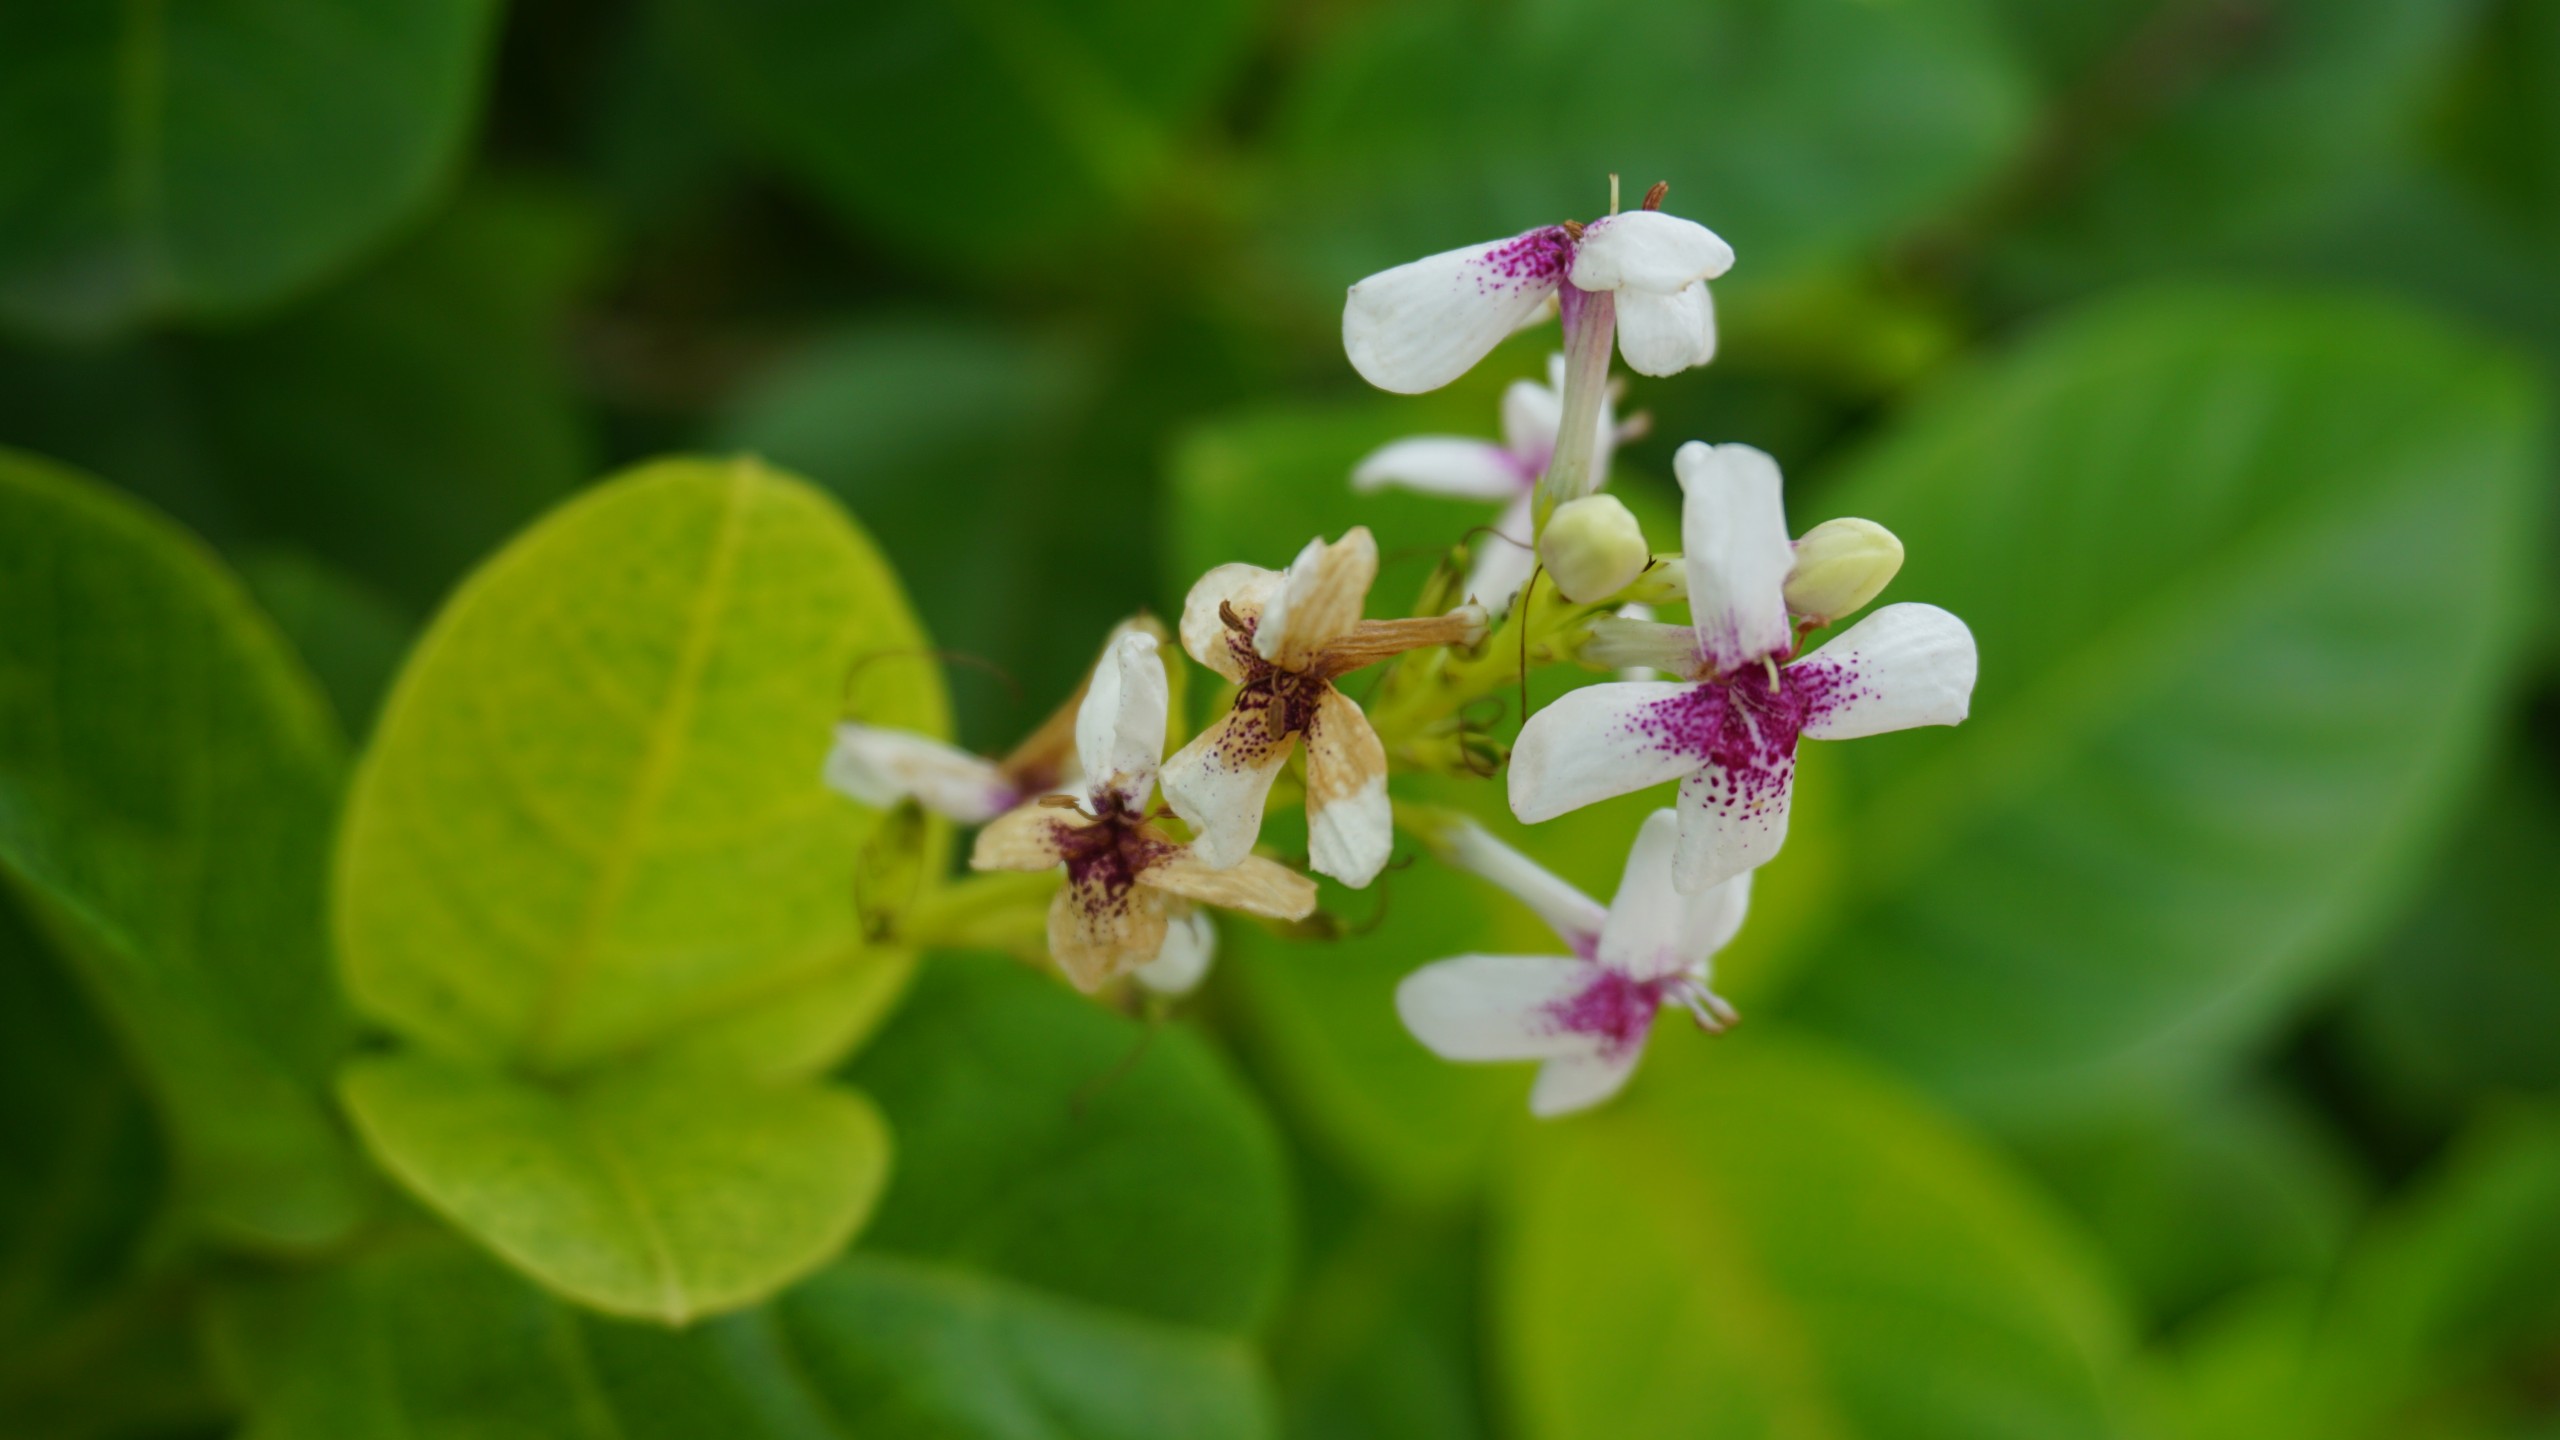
[1586, 1015]
[1471, 469]
[1421, 325]
[1126, 906]
[1728, 731]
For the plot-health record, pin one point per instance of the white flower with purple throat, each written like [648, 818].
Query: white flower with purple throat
[1471, 469]
[1586, 1015]
[1728, 731]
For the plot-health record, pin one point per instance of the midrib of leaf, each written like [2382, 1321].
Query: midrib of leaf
[657, 766]
[644, 1216]
[1993, 758]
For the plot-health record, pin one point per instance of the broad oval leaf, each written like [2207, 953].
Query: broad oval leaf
[167, 774]
[215, 156]
[1804, 131]
[1061, 1149]
[663, 1195]
[2248, 575]
[1016, 124]
[1763, 1241]
[1087, 1225]
[591, 819]
[425, 1337]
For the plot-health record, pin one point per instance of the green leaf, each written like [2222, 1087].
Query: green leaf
[84, 1172]
[1060, 1148]
[2207, 134]
[406, 421]
[1017, 123]
[211, 157]
[895, 418]
[2466, 996]
[1762, 1241]
[591, 819]
[167, 777]
[1419, 128]
[2248, 575]
[2197, 1195]
[1086, 1223]
[650, 1194]
[425, 1338]
[351, 638]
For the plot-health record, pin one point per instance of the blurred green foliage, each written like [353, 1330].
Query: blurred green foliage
[2172, 1051]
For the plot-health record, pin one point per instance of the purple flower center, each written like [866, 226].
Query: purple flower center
[1738, 725]
[1613, 1006]
[1104, 859]
[1286, 700]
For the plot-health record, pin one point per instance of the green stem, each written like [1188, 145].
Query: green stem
[994, 911]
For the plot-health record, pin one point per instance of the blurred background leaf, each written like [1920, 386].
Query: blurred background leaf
[168, 774]
[216, 157]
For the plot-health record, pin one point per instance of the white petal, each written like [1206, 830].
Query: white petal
[1648, 250]
[1575, 917]
[1653, 929]
[1666, 334]
[1578, 1082]
[1494, 1007]
[1733, 526]
[1419, 326]
[1599, 741]
[882, 767]
[1905, 665]
[1445, 465]
[1220, 782]
[1530, 414]
[1730, 823]
[1350, 825]
[1190, 943]
[1243, 588]
[1503, 559]
[1120, 728]
[1321, 596]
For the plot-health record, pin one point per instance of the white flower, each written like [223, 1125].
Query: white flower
[880, 767]
[1421, 325]
[1473, 469]
[1586, 1016]
[1124, 876]
[1728, 732]
[1282, 636]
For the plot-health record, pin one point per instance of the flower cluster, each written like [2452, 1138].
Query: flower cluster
[1717, 704]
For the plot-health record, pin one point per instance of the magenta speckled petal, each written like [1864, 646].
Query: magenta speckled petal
[1421, 325]
[1731, 822]
[1220, 782]
[1497, 1007]
[1647, 250]
[1904, 665]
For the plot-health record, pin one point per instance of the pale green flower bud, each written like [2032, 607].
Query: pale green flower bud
[1593, 547]
[1840, 566]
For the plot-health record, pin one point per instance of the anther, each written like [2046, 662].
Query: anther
[1573, 229]
[1771, 661]
[1227, 613]
[1653, 197]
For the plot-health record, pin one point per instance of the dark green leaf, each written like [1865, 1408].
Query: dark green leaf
[979, 133]
[351, 638]
[167, 782]
[2248, 574]
[1761, 1240]
[210, 157]
[1803, 131]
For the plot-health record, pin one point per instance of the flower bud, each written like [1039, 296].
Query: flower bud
[1593, 547]
[1840, 566]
